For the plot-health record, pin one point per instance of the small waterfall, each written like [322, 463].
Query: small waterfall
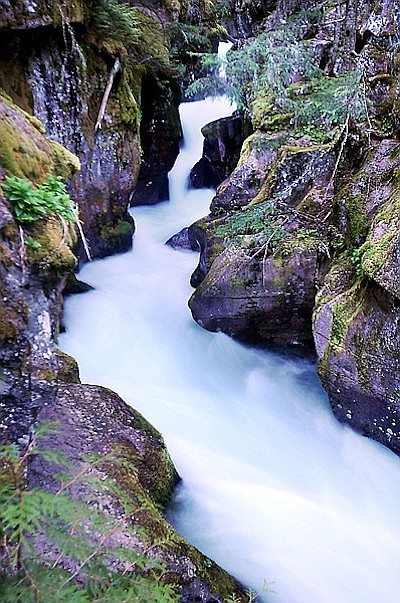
[273, 487]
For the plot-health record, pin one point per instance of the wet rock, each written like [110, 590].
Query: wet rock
[357, 317]
[161, 133]
[181, 240]
[262, 259]
[203, 175]
[94, 420]
[60, 74]
[223, 141]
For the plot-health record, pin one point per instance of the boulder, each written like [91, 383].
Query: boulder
[95, 421]
[203, 175]
[262, 258]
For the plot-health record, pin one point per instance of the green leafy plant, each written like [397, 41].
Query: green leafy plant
[31, 204]
[355, 258]
[78, 565]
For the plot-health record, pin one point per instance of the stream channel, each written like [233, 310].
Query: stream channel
[273, 488]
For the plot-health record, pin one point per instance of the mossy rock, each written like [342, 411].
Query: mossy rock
[68, 369]
[25, 151]
[50, 249]
[66, 164]
[116, 237]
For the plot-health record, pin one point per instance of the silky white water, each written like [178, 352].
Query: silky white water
[273, 487]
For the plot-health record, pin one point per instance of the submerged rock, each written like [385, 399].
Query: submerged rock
[182, 240]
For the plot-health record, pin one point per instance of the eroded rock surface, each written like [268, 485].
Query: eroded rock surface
[262, 258]
[357, 316]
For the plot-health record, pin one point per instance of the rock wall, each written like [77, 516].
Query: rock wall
[302, 243]
[55, 64]
[54, 71]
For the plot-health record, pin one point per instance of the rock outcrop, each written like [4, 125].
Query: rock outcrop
[262, 260]
[95, 421]
[356, 317]
[302, 243]
[56, 62]
[223, 139]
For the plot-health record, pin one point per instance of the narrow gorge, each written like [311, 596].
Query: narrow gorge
[285, 194]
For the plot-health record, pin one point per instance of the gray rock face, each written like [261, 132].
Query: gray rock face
[223, 141]
[261, 261]
[256, 300]
[357, 316]
[59, 73]
[94, 420]
[160, 134]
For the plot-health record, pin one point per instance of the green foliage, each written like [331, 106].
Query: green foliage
[188, 38]
[275, 79]
[222, 8]
[269, 62]
[32, 204]
[355, 257]
[260, 222]
[116, 20]
[211, 84]
[78, 565]
[32, 243]
[327, 102]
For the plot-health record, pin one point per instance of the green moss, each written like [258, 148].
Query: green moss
[8, 324]
[363, 370]
[126, 110]
[54, 252]
[66, 164]
[376, 250]
[345, 309]
[23, 151]
[358, 223]
[266, 117]
[68, 370]
[297, 149]
[110, 233]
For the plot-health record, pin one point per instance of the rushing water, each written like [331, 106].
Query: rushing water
[273, 487]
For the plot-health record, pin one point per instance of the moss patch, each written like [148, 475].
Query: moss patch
[52, 251]
[345, 309]
[25, 151]
[68, 370]
[66, 164]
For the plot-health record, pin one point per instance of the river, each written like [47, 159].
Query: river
[273, 489]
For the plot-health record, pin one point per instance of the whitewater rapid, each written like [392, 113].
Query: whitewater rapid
[273, 489]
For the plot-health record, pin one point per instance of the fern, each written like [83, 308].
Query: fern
[116, 20]
[79, 538]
